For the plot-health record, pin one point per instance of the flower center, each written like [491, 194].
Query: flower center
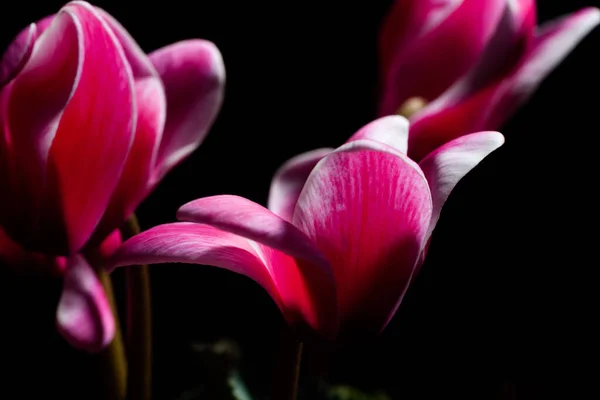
[411, 106]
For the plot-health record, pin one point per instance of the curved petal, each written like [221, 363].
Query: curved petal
[193, 243]
[447, 165]
[423, 69]
[82, 169]
[84, 317]
[194, 77]
[483, 100]
[288, 181]
[251, 220]
[135, 179]
[35, 101]
[367, 207]
[391, 130]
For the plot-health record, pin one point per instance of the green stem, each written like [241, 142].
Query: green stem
[114, 364]
[139, 323]
[287, 367]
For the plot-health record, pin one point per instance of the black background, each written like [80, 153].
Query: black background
[507, 293]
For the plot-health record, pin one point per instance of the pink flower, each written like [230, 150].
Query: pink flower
[339, 261]
[90, 124]
[474, 62]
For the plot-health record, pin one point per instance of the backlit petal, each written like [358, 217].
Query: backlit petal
[367, 207]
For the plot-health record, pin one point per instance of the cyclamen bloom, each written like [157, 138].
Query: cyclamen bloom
[90, 125]
[339, 265]
[473, 63]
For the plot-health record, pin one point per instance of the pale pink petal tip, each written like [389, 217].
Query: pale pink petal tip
[84, 317]
[390, 130]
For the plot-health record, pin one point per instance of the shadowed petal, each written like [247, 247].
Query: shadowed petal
[424, 69]
[194, 77]
[84, 317]
[15, 256]
[289, 180]
[367, 207]
[405, 21]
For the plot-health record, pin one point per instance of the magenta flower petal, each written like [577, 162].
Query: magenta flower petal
[32, 106]
[275, 271]
[185, 242]
[251, 220]
[463, 31]
[308, 284]
[475, 103]
[289, 180]
[391, 130]
[78, 196]
[194, 77]
[133, 184]
[84, 317]
[448, 164]
[367, 207]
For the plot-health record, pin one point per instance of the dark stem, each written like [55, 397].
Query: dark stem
[114, 364]
[287, 366]
[139, 323]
